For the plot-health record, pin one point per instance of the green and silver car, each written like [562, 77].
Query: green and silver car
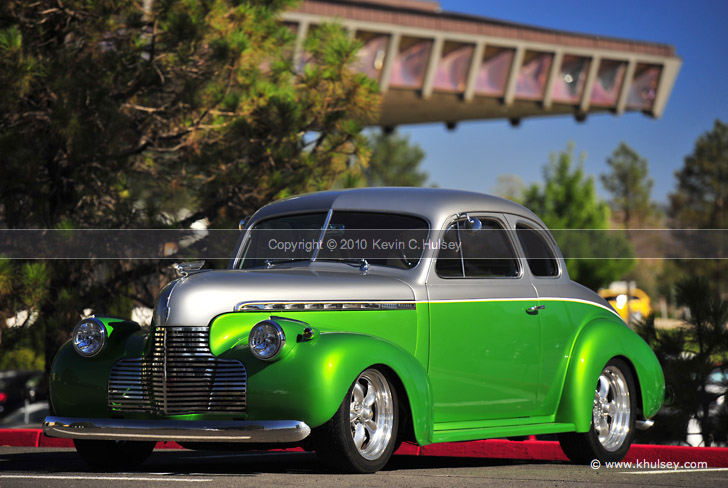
[348, 322]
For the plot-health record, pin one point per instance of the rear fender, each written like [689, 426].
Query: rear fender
[600, 341]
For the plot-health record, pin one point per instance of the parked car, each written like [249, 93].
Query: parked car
[30, 416]
[16, 387]
[637, 303]
[350, 321]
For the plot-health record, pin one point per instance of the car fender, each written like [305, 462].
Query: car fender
[78, 385]
[311, 380]
[598, 342]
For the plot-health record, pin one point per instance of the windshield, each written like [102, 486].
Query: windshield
[380, 239]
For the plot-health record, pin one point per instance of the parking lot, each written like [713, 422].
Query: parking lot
[29, 467]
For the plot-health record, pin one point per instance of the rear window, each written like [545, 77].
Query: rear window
[541, 259]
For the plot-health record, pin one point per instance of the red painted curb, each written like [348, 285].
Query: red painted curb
[715, 457]
[19, 437]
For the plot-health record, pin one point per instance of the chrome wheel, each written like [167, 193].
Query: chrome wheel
[611, 414]
[371, 414]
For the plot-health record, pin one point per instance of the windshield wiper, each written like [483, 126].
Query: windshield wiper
[269, 263]
[360, 263]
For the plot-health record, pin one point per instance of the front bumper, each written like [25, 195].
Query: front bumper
[271, 431]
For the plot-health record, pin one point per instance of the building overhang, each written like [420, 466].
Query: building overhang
[441, 66]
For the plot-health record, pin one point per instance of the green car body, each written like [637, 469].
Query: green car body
[468, 357]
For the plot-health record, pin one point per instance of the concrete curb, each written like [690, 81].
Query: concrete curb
[715, 457]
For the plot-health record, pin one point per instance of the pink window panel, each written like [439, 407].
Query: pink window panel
[493, 71]
[569, 86]
[533, 74]
[452, 69]
[371, 55]
[644, 86]
[608, 83]
[408, 70]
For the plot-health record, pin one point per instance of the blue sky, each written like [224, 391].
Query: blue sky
[472, 156]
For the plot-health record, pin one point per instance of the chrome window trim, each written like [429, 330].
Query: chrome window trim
[514, 247]
[322, 235]
[550, 242]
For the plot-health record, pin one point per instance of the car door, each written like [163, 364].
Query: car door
[484, 327]
[553, 288]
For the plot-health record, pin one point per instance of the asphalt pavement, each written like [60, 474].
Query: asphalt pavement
[55, 467]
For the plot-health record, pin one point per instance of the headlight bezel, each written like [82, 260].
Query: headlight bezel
[275, 331]
[101, 333]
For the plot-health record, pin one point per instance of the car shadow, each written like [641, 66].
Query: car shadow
[177, 462]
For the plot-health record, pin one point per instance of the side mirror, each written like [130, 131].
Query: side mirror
[472, 225]
[183, 269]
[243, 223]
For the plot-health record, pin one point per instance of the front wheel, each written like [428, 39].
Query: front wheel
[613, 419]
[113, 455]
[361, 436]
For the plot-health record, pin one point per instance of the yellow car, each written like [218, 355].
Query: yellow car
[639, 302]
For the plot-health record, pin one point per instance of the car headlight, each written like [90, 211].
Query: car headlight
[266, 340]
[89, 337]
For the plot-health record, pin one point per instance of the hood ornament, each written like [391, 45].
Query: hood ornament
[184, 269]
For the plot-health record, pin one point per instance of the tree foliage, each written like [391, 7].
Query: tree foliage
[630, 186]
[567, 201]
[700, 200]
[116, 117]
[394, 161]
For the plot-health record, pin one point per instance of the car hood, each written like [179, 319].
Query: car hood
[197, 298]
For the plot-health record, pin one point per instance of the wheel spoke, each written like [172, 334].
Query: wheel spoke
[359, 435]
[603, 387]
[612, 409]
[371, 427]
[602, 427]
[358, 393]
[370, 398]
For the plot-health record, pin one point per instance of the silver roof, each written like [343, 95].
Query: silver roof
[434, 204]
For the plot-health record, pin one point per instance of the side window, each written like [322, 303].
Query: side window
[539, 255]
[486, 253]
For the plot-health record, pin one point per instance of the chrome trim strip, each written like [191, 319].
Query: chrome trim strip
[177, 430]
[320, 306]
[384, 305]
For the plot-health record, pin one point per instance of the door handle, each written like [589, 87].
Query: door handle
[534, 310]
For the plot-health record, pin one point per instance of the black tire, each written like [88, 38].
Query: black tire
[336, 440]
[113, 455]
[613, 418]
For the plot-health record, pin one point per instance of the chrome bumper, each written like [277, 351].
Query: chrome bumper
[271, 431]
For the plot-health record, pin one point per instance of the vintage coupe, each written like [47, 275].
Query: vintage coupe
[350, 321]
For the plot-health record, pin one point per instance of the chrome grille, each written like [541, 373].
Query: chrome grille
[181, 376]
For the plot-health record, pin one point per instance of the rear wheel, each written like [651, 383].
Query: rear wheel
[361, 436]
[113, 455]
[613, 418]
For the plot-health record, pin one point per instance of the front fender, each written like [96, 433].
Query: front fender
[311, 380]
[600, 341]
[78, 385]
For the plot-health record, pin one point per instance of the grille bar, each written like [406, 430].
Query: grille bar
[180, 376]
